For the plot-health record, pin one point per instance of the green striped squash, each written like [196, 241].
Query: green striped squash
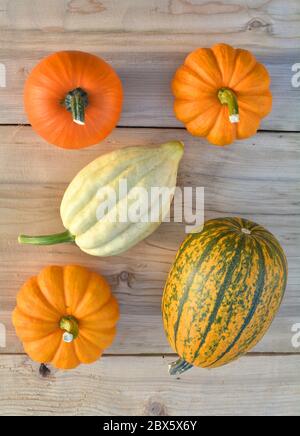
[222, 293]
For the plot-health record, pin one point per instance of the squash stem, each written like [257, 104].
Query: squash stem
[228, 97]
[75, 102]
[58, 238]
[71, 329]
[179, 367]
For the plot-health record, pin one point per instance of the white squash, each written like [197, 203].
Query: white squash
[97, 223]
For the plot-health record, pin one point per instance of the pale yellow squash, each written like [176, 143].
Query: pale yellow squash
[95, 221]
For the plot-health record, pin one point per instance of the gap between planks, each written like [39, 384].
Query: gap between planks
[173, 355]
[123, 126]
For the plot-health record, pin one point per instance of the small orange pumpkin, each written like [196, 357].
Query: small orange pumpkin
[73, 99]
[66, 316]
[222, 94]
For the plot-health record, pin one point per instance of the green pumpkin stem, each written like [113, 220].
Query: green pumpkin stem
[228, 97]
[179, 367]
[58, 238]
[75, 102]
[71, 329]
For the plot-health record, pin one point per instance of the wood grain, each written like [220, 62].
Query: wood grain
[146, 44]
[145, 41]
[146, 65]
[258, 179]
[161, 16]
[141, 386]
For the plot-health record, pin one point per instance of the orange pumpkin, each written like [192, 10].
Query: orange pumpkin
[73, 99]
[222, 94]
[66, 316]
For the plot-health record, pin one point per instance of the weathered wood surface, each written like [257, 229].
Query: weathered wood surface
[280, 21]
[146, 43]
[254, 386]
[146, 40]
[146, 70]
[258, 179]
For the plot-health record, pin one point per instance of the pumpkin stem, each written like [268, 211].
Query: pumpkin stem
[70, 326]
[227, 96]
[75, 102]
[179, 367]
[47, 239]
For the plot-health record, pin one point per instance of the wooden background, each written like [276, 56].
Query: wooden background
[146, 40]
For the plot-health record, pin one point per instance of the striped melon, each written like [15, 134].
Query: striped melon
[222, 293]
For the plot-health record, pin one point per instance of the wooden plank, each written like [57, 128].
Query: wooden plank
[137, 386]
[258, 179]
[146, 65]
[172, 16]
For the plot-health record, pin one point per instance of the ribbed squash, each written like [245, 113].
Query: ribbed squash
[140, 167]
[66, 316]
[222, 94]
[223, 292]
